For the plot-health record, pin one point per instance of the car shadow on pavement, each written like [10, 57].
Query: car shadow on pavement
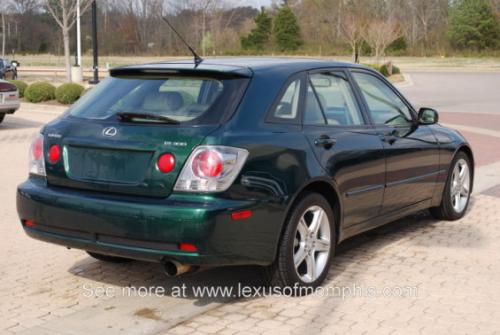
[420, 229]
[19, 123]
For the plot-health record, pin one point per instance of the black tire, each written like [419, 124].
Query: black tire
[446, 211]
[2, 116]
[283, 273]
[107, 258]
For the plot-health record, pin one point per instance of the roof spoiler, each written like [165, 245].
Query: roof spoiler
[180, 71]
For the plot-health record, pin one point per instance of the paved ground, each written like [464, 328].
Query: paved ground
[417, 275]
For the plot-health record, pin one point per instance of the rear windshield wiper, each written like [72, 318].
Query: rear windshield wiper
[130, 117]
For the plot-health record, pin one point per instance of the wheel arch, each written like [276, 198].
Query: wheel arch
[328, 190]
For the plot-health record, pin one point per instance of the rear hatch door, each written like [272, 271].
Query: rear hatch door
[104, 151]
[124, 163]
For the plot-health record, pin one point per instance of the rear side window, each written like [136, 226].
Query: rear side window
[184, 99]
[288, 107]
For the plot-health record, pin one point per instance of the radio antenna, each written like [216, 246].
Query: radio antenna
[197, 58]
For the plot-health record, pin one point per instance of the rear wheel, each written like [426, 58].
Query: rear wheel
[456, 194]
[2, 116]
[306, 247]
[107, 258]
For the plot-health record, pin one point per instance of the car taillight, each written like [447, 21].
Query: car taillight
[207, 164]
[37, 161]
[211, 169]
[54, 153]
[7, 87]
[166, 163]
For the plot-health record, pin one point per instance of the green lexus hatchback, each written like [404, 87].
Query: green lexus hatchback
[233, 161]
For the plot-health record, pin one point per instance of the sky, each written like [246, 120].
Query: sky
[254, 3]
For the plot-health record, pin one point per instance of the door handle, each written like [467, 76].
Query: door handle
[325, 141]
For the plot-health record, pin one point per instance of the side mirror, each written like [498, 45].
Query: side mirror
[428, 116]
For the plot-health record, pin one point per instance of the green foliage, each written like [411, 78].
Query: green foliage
[259, 36]
[40, 91]
[21, 86]
[397, 46]
[383, 69]
[287, 30]
[473, 25]
[68, 93]
[373, 66]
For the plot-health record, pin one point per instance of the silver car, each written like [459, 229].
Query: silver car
[9, 99]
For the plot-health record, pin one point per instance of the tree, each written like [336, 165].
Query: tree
[379, 34]
[64, 13]
[260, 35]
[473, 25]
[287, 30]
[3, 8]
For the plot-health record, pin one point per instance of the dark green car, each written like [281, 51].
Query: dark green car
[237, 161]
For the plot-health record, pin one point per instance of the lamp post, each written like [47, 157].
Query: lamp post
[95, 80]
[78, 36]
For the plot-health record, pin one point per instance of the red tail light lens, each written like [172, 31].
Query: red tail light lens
[29, 223]
[188, 247]
[207, 163]
[166, 163]
[7, 87]
[241, 215]
[37, 148]
[37, 159]
[54, 153]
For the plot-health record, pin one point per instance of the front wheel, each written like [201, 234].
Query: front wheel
[2, 116]
[306, 247]
[456, 195]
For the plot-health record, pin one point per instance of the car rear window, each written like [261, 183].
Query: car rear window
[192, 100]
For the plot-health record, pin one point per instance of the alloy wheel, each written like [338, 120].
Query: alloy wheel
[312, 244]
[460, 186]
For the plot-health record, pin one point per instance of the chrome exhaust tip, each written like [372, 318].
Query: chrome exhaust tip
[173, 268]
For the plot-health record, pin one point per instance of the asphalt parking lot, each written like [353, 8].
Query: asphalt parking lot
[416, 275]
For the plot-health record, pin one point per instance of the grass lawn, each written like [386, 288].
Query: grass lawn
[405, 63]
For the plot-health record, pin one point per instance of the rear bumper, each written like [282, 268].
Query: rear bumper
[9, 107]
[150, 229]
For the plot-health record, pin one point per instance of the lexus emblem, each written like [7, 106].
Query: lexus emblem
[109, 131]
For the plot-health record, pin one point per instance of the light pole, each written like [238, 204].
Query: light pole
[94, 44]
[78, 36]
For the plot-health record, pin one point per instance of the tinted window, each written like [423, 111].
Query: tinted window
[288, 106]
[183, 99]
[384, 105]
[330, 100]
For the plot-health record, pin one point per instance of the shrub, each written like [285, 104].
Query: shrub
[21, 86]
[374, 66]
[68, 93]
[40, 91]
[385, 71]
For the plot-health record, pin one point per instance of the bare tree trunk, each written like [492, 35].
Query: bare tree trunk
[3, 35]
[67, 57]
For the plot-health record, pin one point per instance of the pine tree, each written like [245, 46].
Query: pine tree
[473, 25]
[260, 35]
[287, 30]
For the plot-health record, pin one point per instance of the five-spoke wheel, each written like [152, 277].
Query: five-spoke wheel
[456, 194]
[307, 245]
[312, 244]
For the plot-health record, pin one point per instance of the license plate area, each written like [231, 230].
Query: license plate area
[107, 165]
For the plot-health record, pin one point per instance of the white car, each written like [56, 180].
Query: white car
[9, 99]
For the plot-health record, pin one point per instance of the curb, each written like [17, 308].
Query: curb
[408, 82]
